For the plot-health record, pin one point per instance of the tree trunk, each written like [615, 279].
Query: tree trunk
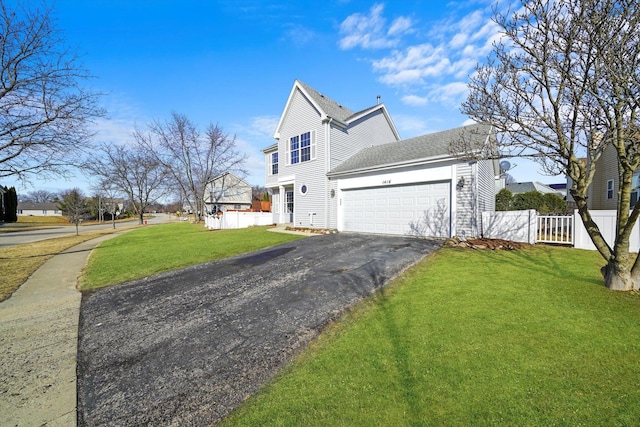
[617, 276]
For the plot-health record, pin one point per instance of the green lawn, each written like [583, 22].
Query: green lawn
[528, 337]
[166, 247]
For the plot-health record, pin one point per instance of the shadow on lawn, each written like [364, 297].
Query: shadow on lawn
[375, 271]
[555, 266]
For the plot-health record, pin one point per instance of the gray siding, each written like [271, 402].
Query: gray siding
[465, 201]
[486, 186]
[373, 129]
[301, 117]
[486, 189]
[333, 204]
[270, 180]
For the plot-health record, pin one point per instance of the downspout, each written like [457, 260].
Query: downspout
[327, 168]
[474, 198]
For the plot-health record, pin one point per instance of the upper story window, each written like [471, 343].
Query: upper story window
[301, 148]
[274, 163]
[610, 189]
[295, 150]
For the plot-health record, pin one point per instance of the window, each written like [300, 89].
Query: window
[305, 147]
[635, 189]
[610, 189]
[295, 150]
[274, 163]
[302, 148]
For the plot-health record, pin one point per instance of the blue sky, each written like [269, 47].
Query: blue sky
[233, 62]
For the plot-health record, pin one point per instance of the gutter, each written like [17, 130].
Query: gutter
[376, 168]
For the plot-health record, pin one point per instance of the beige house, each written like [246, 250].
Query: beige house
[227, 192]
[38, 209]
[603, 192]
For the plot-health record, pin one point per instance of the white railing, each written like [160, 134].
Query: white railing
[555, 229]
[527, 226]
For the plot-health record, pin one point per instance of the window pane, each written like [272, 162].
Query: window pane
[305, 139]
[305, 154]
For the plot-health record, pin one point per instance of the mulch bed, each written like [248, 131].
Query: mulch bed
[312, 230]
[490, 244]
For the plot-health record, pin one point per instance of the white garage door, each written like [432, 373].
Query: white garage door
[399, 208]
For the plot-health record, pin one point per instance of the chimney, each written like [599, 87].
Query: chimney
[378, 97]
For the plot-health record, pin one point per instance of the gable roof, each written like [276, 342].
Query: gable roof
[413, 150]
[327, 105]
[331, 110]
[239, 180]
[524, 187]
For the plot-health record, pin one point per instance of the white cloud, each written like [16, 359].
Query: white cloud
[411, 66]
[400, 26]
[456, 45]
[368, 31]
[414, 100]
[451, 94]
[299, 35]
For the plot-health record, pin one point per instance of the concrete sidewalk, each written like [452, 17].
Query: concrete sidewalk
[39, 338]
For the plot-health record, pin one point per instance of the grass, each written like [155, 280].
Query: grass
[18, 262]
[157, 249]
[528, 337]
[33, 222]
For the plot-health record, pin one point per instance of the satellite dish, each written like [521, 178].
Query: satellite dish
[505, 165]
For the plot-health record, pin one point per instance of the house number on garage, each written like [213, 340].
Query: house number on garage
[386, 181]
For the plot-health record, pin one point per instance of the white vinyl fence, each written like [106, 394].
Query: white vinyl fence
[235, 219]
[527, 226]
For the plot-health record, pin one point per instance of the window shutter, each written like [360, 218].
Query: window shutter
[268, 162]
[287, 152]
[313, 145]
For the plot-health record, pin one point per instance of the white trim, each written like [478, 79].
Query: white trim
[296, 86]
[286, 180]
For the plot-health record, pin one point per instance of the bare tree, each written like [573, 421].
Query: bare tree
[73, 205]
[40, 196]
[44, 111]
[191, 158]
[561, 85]
[108, 193]
[134, 171]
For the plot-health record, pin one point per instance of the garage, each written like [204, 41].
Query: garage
[394, 209]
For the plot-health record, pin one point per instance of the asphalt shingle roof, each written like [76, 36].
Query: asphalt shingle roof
[329, 106]
[525, 187]
[413, 149]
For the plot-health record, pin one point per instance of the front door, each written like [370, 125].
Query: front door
[289, 206]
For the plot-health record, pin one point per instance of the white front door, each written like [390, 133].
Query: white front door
[288, 206]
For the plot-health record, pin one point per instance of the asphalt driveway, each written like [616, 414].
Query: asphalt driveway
[186, 347]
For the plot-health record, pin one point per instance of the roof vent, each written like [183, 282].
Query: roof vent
[378, 98]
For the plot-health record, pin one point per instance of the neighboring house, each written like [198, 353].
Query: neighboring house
[338, 169]
[560, 188]
[603, 192]
[525, 187]
[38, 209]
[227, 192]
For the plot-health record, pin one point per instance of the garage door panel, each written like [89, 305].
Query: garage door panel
[393, 209]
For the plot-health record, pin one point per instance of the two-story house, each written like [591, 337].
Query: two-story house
[335, 168]
[227, 192]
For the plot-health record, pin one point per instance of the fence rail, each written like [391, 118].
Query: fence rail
[555, 229]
